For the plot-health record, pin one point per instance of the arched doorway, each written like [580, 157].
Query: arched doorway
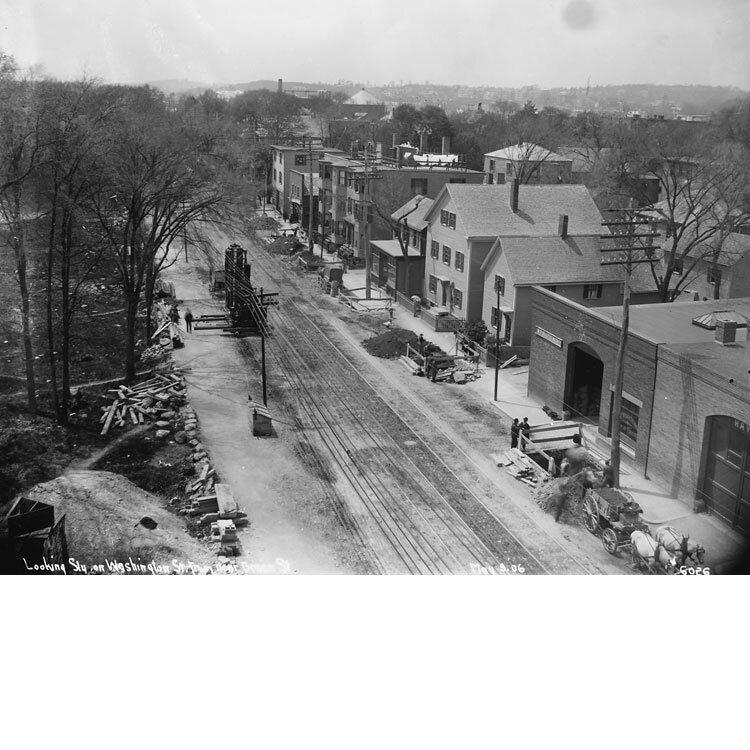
[725, 487]
[583, 382]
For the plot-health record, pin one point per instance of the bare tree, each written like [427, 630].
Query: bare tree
[154, 189]
[21, 154]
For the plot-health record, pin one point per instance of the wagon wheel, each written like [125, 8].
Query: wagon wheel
[609, 540]
[591, 514]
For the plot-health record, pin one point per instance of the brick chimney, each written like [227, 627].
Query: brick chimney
[513, 184]
[281, 85]
[562, 227]
[726, 332]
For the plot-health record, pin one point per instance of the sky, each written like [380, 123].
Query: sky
[510, 43]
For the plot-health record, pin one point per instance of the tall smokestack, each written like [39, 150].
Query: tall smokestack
[562, 227]
[281, 85]
[446, 145]
[513, 195]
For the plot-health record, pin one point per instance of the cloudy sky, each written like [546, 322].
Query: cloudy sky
[476, 42]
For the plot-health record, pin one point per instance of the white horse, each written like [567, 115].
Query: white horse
[645, 549]
[680, 545]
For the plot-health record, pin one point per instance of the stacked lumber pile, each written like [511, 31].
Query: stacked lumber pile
[520, 466]
[151, 400]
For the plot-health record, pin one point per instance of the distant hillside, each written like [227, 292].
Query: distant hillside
[178, 86]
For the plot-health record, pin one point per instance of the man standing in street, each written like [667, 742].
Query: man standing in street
[188, 321]
[514, 430]
[525, 429]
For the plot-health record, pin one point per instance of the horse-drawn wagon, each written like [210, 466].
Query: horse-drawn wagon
[614, 515]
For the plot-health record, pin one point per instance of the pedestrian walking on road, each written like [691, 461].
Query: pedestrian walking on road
[188, 321]
[515, 428]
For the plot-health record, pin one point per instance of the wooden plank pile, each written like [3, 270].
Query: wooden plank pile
[520, 466]
[148, 400]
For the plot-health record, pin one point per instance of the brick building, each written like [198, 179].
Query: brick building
[343, 183]
[685, 407]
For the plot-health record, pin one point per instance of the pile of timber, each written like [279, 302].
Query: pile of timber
[149, 400]
[520, 466]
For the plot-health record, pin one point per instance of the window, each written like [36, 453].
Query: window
[419, 186]
[493, 318]
[349, 206]
[500, 285]
[452, 221]
[341, 177]
[414, 238]
[434, 249]
[592, 291]
[274, 175]
[446, 255]
[459, 261]
[508, 323]
[629, 415]
[433, 284]
[444, 218]
[508, 168]
[458, 298]
[281, 178]
[300, 160]
[714, 275]
[492, 165]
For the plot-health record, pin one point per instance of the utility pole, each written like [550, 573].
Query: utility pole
[365, 216]
[629, 244]
[311, 243]
[497, 337]
[323, 220]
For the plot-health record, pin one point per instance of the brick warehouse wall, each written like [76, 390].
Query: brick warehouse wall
[686, 394]
[572, 323]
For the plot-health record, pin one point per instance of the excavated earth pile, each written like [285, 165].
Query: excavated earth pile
[391, 344]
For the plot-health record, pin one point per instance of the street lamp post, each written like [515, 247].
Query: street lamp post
[497, 338]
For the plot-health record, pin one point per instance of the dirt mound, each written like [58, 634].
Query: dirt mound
[262, 222]
[104, 526]
[548, 496]
[284, 246]
[391, 344]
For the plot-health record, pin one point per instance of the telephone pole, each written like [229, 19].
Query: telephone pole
[311, 243]
[365, 216]
[633, 248]
[497, 337]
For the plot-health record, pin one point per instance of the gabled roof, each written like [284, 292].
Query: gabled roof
[415, 219]
[393, 248]
[484, 210]
[553, 260]
[526, 152]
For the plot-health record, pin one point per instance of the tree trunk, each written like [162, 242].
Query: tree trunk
[50, 317]
[20, 252]
[67, 313]
[149, 298]
[130, 333]
[619, 381]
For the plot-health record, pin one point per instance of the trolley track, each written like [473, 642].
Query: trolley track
[420, 523]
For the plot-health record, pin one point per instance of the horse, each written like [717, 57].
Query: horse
[680, 545]
[645, 549]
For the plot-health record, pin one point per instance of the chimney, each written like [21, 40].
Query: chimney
[479, 107]
[281, 85]
[562, 227]
[445, 148]
[513, 195]
[726, 332]
[393, 142]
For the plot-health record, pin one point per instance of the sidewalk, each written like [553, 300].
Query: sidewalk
[724, 546]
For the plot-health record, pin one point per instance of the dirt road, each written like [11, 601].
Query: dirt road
[371, 470]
